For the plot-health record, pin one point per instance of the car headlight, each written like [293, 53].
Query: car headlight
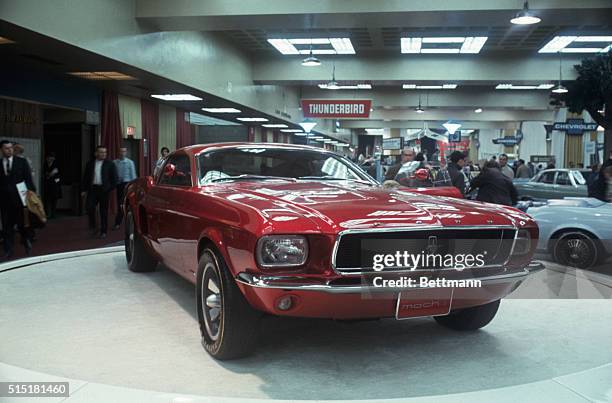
[282, 250]
[522, 243]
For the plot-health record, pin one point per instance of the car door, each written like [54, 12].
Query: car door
[563, 185]
[540, 188]
[166, 201]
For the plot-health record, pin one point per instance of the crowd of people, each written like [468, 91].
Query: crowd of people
[492, 182]
[23, 212]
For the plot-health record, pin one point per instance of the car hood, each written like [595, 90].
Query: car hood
[334, 206]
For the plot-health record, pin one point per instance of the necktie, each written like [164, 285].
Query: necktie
[8, 167]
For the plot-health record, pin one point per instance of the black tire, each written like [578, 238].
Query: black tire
[469, 318]
[228, 324]
[576, 249]
[138, 258]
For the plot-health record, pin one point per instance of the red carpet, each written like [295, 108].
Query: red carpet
[66, 234]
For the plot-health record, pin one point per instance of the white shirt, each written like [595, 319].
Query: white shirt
[4, 164]
[97, 179]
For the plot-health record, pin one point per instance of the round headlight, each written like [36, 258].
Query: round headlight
[282, 250]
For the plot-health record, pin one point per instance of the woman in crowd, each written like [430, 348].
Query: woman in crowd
[493, 186]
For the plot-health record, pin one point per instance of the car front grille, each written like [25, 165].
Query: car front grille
[355, 250]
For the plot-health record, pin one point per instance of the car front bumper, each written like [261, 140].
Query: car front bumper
[364, 300]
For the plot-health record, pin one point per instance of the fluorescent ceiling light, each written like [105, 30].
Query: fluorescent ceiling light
[375, 131]
[272, 125]
[561, 44]
[317, 137]
[345, 87]
[221, 110]
[101, 75]
[252, 119]
[469, 44]
[299, 133]
[507, 86]
[291, 130]
[327, 141]
[176, 97]
[429, 87]
[335, 46]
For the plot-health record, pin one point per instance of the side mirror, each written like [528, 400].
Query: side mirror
[421, 174]
[169, 170]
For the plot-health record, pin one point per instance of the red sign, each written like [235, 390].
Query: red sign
[336, 108]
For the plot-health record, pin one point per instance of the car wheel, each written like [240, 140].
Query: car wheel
[576, 249]
[138, 258]
[228, 324]
[469, 318]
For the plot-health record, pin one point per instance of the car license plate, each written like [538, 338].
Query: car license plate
[424, 302]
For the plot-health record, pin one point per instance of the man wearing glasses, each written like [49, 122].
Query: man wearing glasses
[407, 156]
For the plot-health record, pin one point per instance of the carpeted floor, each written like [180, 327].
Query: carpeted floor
[65, 234]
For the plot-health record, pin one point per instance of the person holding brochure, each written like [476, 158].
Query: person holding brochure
[15, 175]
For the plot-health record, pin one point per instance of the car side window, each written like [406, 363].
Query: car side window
[182, 171]
[547, 177]
[563, 179]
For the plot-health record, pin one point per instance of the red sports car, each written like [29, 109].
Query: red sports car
[294, 230]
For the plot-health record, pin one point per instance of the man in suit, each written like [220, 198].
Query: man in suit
[14, 170]
[99, 180]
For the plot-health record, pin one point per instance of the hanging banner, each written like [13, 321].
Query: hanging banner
[336, 108]
[575, 126]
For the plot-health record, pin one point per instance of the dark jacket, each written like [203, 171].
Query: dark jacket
[109, 176]
[456, 176]
[598, 188]
[392, 171]
[495, 187]
[52, 184]
[20, 172]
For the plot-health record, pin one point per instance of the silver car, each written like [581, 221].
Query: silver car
[553, 184]
[577, 232]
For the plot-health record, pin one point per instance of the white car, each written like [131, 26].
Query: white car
[577, 231]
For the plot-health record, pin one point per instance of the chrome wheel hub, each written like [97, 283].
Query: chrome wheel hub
[212, 301]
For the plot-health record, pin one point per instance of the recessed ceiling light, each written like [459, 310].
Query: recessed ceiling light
[562, 44]
[469, 44]
[314, 46]
[221, 110]
[273, 125]
[101, 75]
[345, 87]
[176, 97]
[506, 86]
[478, 110]
[429, 87]
[291, 130]
[5, 41]
[525, 16]
[252, 119]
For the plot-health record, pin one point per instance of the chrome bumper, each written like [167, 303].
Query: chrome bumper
[286, 283]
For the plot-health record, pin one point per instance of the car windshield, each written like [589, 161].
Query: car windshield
[578, 178]
[263, 163]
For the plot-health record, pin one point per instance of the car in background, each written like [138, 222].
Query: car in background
[553, 184]
[577, 232]
[279, 229]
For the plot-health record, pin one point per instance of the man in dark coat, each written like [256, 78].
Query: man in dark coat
[599, 186]
[494, 187]
[99, 180]
[455, 170]
[14, 170]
